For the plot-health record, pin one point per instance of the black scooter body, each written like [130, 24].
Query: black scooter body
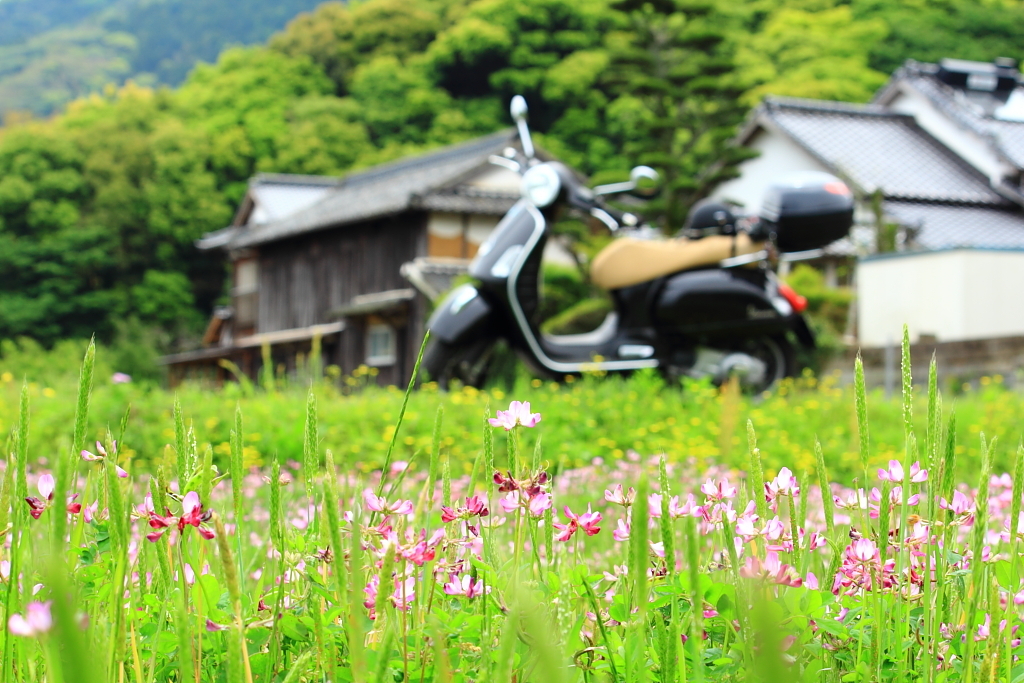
[655, 321]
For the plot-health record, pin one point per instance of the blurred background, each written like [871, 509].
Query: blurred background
[132, 128]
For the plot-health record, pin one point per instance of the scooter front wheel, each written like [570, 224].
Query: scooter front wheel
[465, 363]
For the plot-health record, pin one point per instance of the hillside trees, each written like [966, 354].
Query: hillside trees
[678, 97]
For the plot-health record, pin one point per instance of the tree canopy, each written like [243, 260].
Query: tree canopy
[100, 205]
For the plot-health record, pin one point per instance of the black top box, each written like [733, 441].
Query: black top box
[807, 210]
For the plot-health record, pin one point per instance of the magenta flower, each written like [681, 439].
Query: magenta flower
[895, 472]
[213, 627]
[772, 569]
[718, 491]
[505, 482]
[405, 594]
[466, 586]
[539, 504]
[476, 506]
[192, 515]
[785, 484]
[37, 506]
[37, 620]
[120, 378]
[510, 503]
[864, 550]
[565, 531]
[589, 521]
[516, 415]
[895, 498]
[960, 505]
[624, 498]
[855, 500]
[100, 455]
[622, 530]
[535, 503]
[419, 554]
[378, 504]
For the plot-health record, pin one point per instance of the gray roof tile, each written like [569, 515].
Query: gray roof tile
[972, 110]
[944, 226]
[468, 200]
[382, 190]
[876, 149]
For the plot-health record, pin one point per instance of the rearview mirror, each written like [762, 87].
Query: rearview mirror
[646, 181]
[518, 108]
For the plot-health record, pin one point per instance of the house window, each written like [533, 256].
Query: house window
[246, 292]
[380, 345]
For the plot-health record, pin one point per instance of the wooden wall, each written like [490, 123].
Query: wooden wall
[303, 279]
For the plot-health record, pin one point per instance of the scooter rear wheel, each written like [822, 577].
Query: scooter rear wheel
[465, 363]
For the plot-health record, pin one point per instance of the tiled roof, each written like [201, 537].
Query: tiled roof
[944, 227]
[468, 200]
[877, 149]
[279, 195]
[972, 110]
[382, 190]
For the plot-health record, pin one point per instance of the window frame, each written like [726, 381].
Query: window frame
[384, 359]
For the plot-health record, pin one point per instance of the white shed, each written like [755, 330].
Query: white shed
[945, 296]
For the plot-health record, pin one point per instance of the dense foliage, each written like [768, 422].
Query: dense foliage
[518, 570]
[100, 206]
[54, 51]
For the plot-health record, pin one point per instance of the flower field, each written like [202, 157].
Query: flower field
[505, 561]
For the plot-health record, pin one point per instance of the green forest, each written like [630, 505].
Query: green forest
[53, 51]
[100, 204]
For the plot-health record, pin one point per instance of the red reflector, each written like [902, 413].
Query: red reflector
[799, 303]
[837, 187]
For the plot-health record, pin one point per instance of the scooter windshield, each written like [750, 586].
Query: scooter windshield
[498, 255]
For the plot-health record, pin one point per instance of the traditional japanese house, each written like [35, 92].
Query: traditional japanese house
[350, 264]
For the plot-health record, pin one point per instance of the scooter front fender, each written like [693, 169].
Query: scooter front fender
[462, 316]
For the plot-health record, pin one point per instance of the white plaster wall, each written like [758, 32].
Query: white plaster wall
[968, 145]
[446, 225]
[779, 156]
[496, 178]
[955, 295]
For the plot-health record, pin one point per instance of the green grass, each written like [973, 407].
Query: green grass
[590, 418]
[318, 569]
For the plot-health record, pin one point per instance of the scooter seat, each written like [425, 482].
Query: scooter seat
[629, 261]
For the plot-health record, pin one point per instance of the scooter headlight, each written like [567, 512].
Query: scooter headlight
[541, 185]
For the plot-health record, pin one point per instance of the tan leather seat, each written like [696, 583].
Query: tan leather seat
[628, 261]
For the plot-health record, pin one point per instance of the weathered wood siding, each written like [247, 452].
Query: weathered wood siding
[303, 279]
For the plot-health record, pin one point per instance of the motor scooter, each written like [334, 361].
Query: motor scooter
[710, 307]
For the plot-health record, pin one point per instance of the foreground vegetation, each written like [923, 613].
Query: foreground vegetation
[517, 571]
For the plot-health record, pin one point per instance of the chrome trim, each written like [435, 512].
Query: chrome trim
[743, 259]
[636, 351]
[605, 217]
[801, 255]
[505, 163]
[524, 326]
